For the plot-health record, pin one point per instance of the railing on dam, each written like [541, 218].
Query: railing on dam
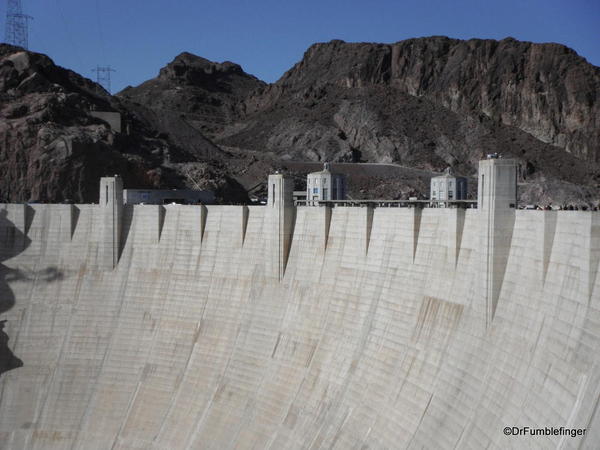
[391, 203]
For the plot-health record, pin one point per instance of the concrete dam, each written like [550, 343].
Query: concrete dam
[289, 327]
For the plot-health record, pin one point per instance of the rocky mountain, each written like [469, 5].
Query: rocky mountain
[421, 104]
[436, 102]
[208, 95]
[52, 148]
[546, 90]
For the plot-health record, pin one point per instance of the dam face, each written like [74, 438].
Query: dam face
[286, 327]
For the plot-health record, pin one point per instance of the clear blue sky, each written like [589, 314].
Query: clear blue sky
[267, 37]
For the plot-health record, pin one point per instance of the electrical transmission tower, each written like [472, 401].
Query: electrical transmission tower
[17, 24]
[103, 76]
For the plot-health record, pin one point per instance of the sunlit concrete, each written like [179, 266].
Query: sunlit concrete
[372, 330]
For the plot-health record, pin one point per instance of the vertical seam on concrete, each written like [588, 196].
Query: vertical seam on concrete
[280, 225]
[203, 213]
[28, 214]
[288, 244]
[549, 233]
[416, 219]
[244, 223]
[116, 233]
[126, 224]
[369, 225]
[460, 226]
[594, 252]
[327, 225]
[75, 212]
[161, 220]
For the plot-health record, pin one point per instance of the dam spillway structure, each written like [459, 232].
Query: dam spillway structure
[299, 327]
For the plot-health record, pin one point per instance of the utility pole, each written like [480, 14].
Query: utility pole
[103, 76]
[17, 25]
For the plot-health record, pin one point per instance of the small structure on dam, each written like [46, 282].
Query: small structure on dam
[283, 326]
[325, 186]
[447, 187]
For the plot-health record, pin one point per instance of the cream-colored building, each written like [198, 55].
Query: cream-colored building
[325, 185]
[447, 187]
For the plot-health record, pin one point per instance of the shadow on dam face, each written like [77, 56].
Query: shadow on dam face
[12, 242]
[8, 361]
[9, 235]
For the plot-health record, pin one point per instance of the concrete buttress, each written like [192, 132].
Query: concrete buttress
[497, 199]
[280, 218]
[111, 204]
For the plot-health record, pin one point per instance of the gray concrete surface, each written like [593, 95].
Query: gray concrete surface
[113, 119]
[378, 335]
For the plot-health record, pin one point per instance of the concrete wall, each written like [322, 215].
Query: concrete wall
[111, 118]
[377, 336]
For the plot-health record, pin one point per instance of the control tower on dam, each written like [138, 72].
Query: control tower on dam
[299, 327]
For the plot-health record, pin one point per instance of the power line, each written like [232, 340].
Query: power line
[103, 76]
[17, 25]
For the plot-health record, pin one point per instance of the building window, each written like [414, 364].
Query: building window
[315, 190]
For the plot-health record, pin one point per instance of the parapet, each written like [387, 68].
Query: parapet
[280, 190]
[497, 184]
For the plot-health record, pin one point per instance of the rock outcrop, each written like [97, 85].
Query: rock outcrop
[436, 102]
[53, 149]
[424, 103]
[208, 95]
[546, 90]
